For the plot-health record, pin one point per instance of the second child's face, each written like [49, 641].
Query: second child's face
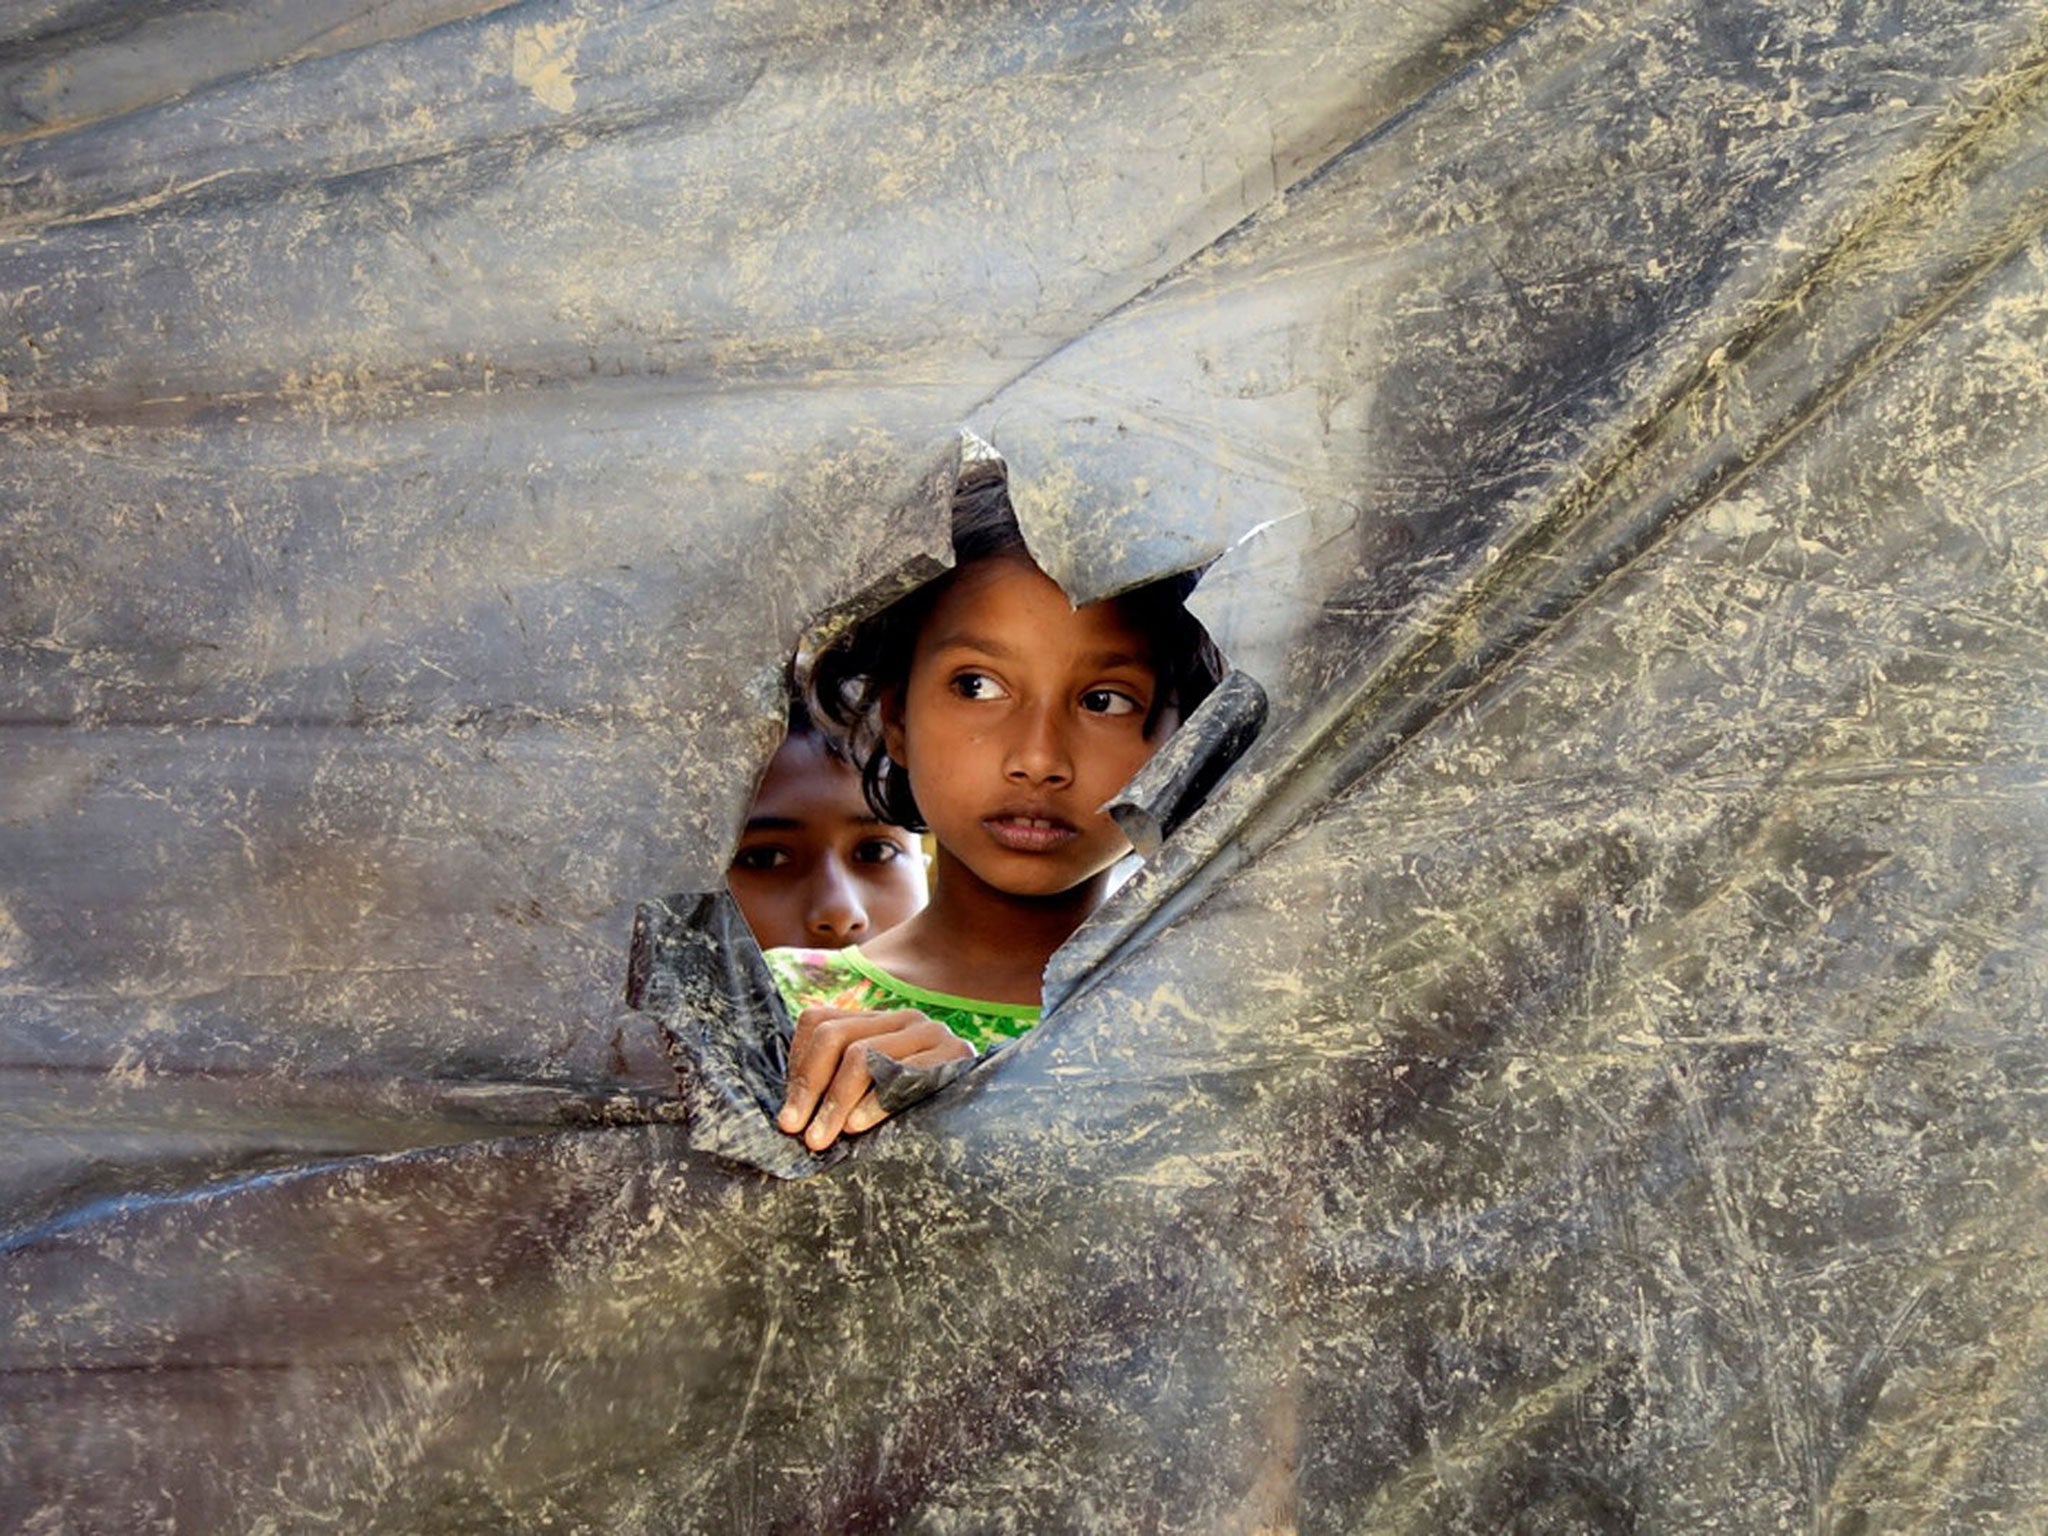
[1021, 716]
[815, 869]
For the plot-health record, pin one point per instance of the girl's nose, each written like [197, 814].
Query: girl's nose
[834, 915]
[1038, 752]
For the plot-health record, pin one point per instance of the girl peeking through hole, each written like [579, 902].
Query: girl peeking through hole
[988, 709]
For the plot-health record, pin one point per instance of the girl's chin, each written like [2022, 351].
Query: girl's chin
[1027, 877]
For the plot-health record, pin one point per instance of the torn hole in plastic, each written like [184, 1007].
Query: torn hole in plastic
[698, 969]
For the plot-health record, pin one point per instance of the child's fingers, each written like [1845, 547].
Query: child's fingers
[800, 1090]
[850, 1084]
[868, 1112]
[917, 1038]
[817, 1051]
[814, 1051]
[866, 1115]
[830, 1085]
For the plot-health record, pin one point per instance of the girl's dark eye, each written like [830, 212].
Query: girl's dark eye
[877, 850]
[762, 856]
[978, 685]
[1109, 701]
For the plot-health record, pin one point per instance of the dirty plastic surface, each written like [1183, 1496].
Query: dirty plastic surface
[1581, 1071]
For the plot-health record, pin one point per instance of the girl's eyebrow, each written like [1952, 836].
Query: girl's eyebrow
[962, 640]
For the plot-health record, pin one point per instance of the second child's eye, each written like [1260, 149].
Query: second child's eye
[761, 856]
[877, 850]
[1109, 701]
[978, 685]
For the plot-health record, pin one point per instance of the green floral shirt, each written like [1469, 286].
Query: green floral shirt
[845, 978]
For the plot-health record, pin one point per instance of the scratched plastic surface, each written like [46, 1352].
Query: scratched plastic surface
[1581, 1071]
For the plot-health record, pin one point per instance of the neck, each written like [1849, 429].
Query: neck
[974, 940]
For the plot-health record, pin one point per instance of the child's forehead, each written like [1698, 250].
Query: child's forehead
[1008, 603]
[806, 783]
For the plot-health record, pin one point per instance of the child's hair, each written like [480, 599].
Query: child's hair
[853, 674]
[801, 723]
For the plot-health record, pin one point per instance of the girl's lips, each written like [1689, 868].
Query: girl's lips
[1029, 834]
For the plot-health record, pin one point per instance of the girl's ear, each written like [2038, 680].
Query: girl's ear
[892, 725]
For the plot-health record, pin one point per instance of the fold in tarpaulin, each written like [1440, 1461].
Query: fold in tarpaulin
[1578, 1071]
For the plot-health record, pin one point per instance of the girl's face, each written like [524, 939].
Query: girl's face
[1020, 717]
[814, 868]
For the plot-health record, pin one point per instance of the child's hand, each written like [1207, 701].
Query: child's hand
[830, 1091]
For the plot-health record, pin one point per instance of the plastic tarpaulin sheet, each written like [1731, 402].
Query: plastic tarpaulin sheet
[1582, 1069]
